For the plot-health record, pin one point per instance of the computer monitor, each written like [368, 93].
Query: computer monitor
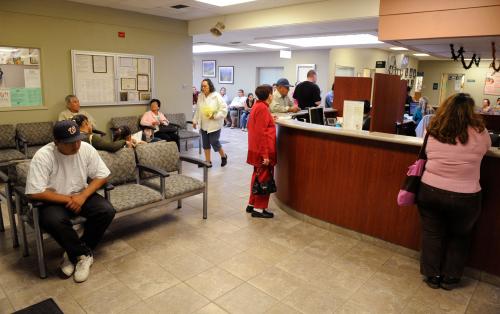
[413, 107]
[316, 115]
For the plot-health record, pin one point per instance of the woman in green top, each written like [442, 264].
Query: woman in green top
[97, 141]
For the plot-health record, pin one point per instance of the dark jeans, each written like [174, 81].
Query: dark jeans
[169, 137]
[55, 219]
[447, 221]
[211, 139]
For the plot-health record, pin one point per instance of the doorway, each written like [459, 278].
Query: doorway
[451, 83]
[269, 75]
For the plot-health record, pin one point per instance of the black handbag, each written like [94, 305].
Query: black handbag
[264, 188]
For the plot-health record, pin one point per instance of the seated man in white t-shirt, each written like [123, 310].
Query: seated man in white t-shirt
[58, 177]
[237, 103]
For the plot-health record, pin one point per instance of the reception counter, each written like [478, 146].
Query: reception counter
[351, 179]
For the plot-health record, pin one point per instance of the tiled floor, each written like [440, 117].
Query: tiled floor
[172, 261]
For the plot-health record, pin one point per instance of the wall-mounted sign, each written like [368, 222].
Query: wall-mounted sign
[435, 86]
[380, 64]
[420, 73]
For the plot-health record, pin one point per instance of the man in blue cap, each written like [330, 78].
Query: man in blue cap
[58, 177]
[281, 101]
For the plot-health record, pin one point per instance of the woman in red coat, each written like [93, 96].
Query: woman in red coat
[261, 148]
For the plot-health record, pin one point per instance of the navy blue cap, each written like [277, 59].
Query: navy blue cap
[67, 131]
[283, 82]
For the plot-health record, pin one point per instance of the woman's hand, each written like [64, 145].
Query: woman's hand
[265, 162]
[212, 116]
[156, 123]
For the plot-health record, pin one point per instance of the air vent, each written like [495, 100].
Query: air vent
[179, 6]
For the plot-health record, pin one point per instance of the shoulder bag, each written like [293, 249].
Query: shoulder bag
[264, 188]
[407, 193]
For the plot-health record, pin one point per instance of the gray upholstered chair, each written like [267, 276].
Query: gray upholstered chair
[8, 146]
[185, 135]
[34, 135]
[165, 156]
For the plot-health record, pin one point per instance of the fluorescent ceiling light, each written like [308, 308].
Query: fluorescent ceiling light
[420, 55]
[398, 48]
[268, 46]
[325, 41]
[223, 3]
[212, 48]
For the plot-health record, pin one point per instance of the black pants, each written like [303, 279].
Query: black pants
[169, 137]
[447, 221]
[55, 219]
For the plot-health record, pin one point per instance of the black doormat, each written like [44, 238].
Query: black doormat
[45, 307]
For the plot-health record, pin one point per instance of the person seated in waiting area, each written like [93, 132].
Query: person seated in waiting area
[158, 125]
[123, 133]
[281, 101]
[329, 98]
[237, 103]
[57, 177]
[486, 106]
[248, 108]
[73, 108]
[96, 141]
[366, 115]
[422, 109]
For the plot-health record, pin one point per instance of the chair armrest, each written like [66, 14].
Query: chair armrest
[108, 186]
[193, 160]
[99, 132]
[154, 170]
[20, 190]
[189, 122]
[147, 127]
[4, 177]
[175, 124]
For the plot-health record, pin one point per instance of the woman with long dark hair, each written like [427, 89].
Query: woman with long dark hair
[449, 199]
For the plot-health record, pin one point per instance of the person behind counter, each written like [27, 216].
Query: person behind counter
[209, 115]
[281, 100]
[366, 115]
[329, 98]
[308, 93]
[261, 149]
[486, 106]
[422, 109]
[449, 198]
[96, 141]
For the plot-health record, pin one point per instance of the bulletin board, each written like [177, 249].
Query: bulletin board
[105, 78]
[20, 79]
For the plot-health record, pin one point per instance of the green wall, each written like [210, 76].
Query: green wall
[58, 26]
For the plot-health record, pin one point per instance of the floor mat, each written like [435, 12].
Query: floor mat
[48, 306]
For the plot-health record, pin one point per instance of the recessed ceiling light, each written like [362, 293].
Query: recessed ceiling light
[398, 48]
[268, 46]
[325, 41]
[420, 55]
[223, 3]
[212, 48]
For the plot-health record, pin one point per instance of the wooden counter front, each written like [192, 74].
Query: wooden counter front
[352, 180]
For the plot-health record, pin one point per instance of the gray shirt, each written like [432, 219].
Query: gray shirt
[280, 103]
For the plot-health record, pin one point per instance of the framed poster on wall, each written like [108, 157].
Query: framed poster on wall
[208, 68]
[226, 75]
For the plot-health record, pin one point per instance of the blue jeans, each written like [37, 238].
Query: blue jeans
[244, 119]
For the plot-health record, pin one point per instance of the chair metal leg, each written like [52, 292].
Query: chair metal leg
[205, 193]
[12, 218]
[24, 243]
[186, 145]
[2, 226]
[179, 204]
[39, 244]
[199, 145]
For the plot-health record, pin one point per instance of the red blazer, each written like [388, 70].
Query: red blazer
[261, 135]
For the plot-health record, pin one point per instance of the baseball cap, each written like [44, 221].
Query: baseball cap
[283, 82]
[67, 131]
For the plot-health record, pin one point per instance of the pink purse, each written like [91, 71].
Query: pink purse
[408, 192]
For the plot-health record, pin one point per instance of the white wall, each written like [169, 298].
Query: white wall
[434, 69]
[246, 64]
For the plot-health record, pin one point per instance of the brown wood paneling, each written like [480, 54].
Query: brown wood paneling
[390, 7]
[389, 93]
[354, 182]
[350, 88]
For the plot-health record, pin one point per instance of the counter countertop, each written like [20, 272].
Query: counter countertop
[285, 120]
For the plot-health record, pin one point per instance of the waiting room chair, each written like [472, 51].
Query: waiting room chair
[185, 134]
[32, 136]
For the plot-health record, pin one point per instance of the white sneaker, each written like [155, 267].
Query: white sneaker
[82, 270]
[67, 267]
